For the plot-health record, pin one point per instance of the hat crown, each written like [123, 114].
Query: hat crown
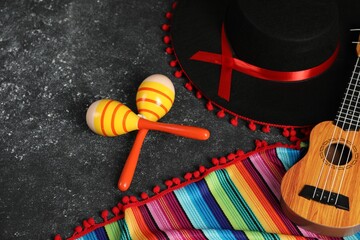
[288, 35]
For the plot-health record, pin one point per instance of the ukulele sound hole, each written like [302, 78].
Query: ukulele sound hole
[338, 154]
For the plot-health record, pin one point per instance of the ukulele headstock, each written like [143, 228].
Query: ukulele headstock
[357, 42]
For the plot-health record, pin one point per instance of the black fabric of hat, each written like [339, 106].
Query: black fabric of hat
[308, 40]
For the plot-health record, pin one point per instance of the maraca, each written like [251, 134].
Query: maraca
[154, 98]
[111, 118]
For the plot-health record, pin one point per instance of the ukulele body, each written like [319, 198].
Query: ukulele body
[327, 216]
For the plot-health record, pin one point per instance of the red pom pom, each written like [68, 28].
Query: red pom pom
[120, 206]
[144, 195]
[231, 156]
[252, 126]
[196, 174]
[173, 63]
[57, 237]
[165, 27]
[169, 50]
[166, 39]
[133, 199]
[209, 106]
[234, 121]
[286, 132]
[266, 129]
[202, 169]
[188, 86]
[86, 224]
[168, 183]
[78, 229]
[91, 221]
[188, 176]
[220, 114]
[104, 215]
[168, 15]
[178, 74]
[222, 160]
[258, 143]
[125, 199]
[115, 211]
[240, 152]
[156, 189]
[293, 132]
[215, 161]
[294, 138]
[198, 95]
[177, 181]
[174, 5]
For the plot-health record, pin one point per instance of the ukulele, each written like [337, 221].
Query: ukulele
[321, 192]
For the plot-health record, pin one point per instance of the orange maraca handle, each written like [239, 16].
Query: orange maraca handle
[180, 130]
[128, 171]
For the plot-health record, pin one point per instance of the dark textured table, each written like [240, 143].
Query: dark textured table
[56, 58]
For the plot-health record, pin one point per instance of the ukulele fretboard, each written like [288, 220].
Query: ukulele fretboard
[348, 116]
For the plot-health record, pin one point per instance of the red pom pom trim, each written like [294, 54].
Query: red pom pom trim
[173, 63]
[166, 39]
[223, 160]
[57, 237]
[252, 126]
[188, 86]
[177, 181]
[220, 114]
[169, 50]
[209, 106]
[188, 176]
[215, 161]
[196, 174]
[133, 199]
[234, 121]
[125, 200]
[156, 189]
[86, 224]
[178, 74]
[165, 27]
[78, 229]
[144, 196]
[168, 183]
[91, 221]
[168, 15]
[115, 211]
[266, 129]
[104, 215]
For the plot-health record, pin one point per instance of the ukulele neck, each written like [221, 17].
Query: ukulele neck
[348, 116]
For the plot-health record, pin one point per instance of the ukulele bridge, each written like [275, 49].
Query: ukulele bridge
[337, 200]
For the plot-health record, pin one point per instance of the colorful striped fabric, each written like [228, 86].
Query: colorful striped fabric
[240, 201]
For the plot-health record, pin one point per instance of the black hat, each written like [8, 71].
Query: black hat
[275, 62]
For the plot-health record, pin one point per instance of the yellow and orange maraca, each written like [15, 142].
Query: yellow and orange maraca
[154, 98]
[111, 118]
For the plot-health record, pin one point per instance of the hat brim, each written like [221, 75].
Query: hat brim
[196, 26]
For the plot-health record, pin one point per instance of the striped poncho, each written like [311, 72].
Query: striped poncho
[236, 199]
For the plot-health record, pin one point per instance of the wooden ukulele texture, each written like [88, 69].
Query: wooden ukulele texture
[321, 192]
[313, 215]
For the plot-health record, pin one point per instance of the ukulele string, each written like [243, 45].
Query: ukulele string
[323, 164]
[335, 150]
[352, 114]
[357, 125]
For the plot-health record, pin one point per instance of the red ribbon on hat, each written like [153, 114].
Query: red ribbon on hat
[229, 63]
